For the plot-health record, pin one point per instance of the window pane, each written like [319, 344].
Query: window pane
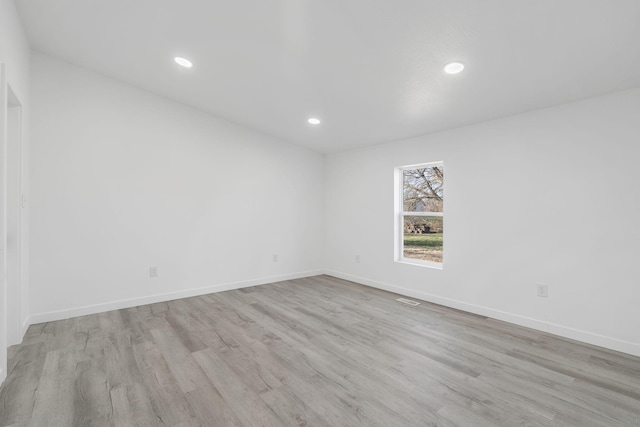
[423, 238]
[423, 189]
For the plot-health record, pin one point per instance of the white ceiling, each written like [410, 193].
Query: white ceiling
[372, 70]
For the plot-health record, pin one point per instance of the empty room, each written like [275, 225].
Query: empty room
[319, 213]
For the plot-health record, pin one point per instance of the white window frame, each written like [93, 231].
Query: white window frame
[399, 215]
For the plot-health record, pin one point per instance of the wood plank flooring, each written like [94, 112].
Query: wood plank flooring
[310, 352]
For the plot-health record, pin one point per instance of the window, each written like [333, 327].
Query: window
[419, 214]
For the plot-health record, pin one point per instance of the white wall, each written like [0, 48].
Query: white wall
[123, 180]
[551, 196]
[14, 74]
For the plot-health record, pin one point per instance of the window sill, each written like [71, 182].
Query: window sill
[418, 263]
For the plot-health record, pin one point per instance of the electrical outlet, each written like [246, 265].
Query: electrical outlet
[153, 271]
[542, 290]
[357, 259]
[275, 257]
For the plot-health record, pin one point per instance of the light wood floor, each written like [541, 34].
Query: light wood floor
[310, 352]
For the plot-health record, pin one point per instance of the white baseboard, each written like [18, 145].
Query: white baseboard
[52, 316]
[563, 331]
[552, 328]
[19, 334]
[25, 326]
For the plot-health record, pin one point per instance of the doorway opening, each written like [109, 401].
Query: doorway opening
[13, 310]
[13, 214]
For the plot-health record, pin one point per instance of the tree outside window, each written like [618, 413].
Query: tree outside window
[421, 214]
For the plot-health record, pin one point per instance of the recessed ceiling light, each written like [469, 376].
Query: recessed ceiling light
[313, 121]
[453, 68]
[183, 62]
